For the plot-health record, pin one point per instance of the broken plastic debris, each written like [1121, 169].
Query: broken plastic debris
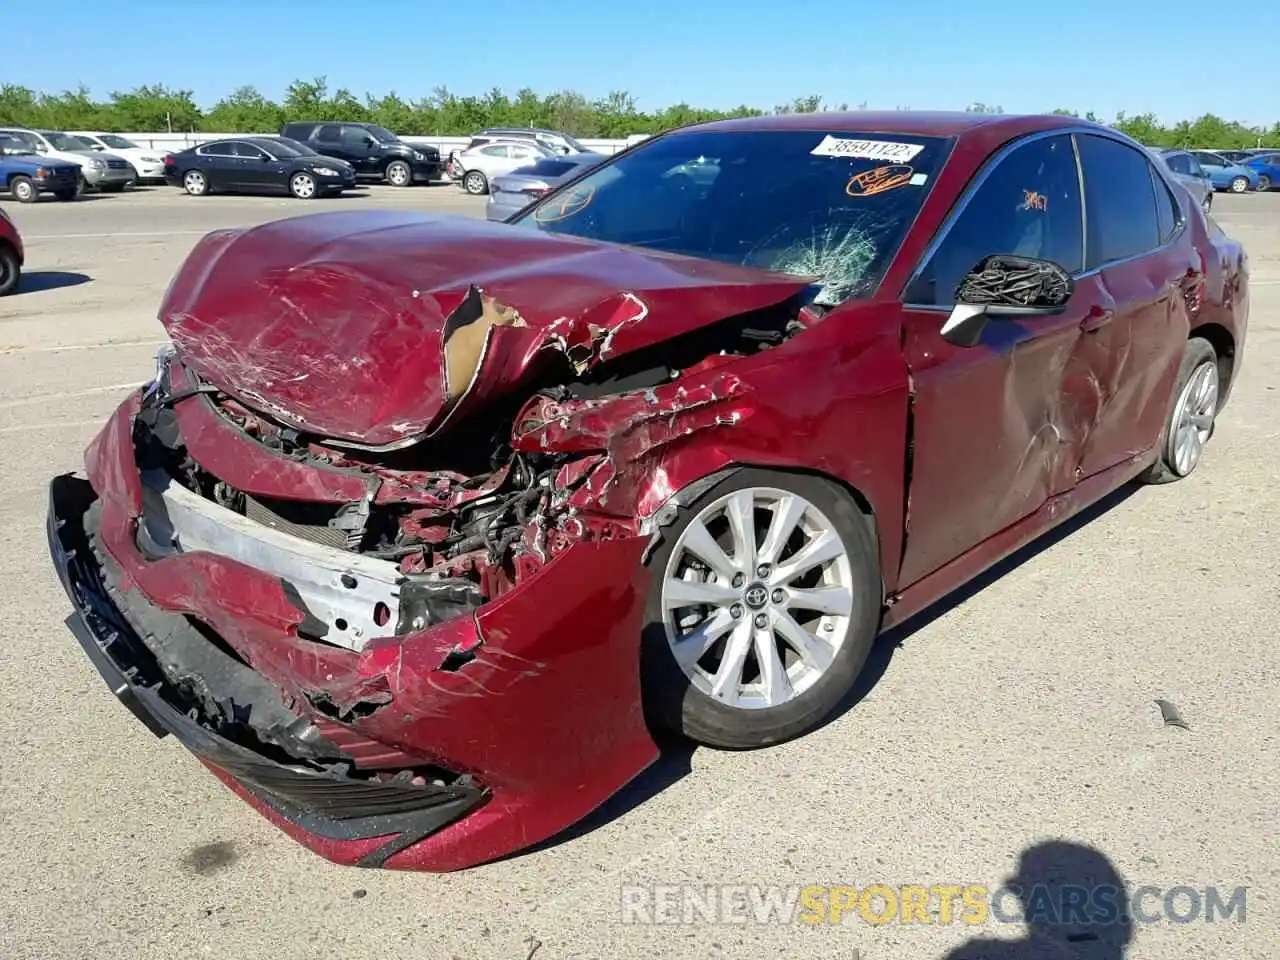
[1172, 718]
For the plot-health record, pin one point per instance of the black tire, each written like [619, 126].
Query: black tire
[399, 174]
[1239, 185]
[67, 195]
[1264, 183]
[674, 706]
[1207, 203]
[1199, 352]
[195, 183]
[23, 190]
[475, 183]
[10, 269]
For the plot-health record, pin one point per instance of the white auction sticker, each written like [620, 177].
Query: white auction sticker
[866, 149]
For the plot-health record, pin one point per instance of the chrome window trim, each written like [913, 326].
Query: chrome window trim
[978, 179]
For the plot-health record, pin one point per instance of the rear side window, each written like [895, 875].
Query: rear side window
[224, 148]
[496, 150]
[1179, 163]
[1120, 201]
[329, 133]
[1028, 205]
[298, 131]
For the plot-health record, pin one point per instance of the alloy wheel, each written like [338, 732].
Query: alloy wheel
[194, 182]
[398, 174]
[1193, 416]
[1239, 185]
[1264, 183]
[757, 597]
[303, 186]
[474, 183]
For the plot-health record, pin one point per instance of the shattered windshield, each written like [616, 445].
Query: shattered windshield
[833, 206]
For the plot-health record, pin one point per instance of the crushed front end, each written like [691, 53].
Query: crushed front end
[379, 659]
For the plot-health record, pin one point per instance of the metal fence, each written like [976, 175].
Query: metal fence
[172, 142]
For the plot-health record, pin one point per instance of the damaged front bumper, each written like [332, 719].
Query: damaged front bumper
[433, 750]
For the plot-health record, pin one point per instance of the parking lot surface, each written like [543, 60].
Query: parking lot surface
[1022, 714]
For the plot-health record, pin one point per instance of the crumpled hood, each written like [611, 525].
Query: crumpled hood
[377, 327]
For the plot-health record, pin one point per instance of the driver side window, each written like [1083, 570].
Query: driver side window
[1028, 205]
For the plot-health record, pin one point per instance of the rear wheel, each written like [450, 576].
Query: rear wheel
[1192, 417]
[1239, 184]
[195, 183]
[764, 604]
[303, 186]
[399, 174]
[10, 269]
[23, 190]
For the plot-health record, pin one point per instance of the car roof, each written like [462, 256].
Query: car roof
[920, 123]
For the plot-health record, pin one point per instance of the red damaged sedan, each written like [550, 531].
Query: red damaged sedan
[427, 528]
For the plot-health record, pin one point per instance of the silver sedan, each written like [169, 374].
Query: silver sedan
[512, 192]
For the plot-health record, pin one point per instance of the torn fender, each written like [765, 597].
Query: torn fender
[378, 327]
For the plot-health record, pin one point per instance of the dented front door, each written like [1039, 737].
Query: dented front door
[997, 426]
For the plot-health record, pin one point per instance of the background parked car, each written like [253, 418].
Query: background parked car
[26, 175]
[105, 171]
[476, 167]
[554, 140]
[512, 192]
[149, 164]
[11, 255]
[373, 151]
[1267, 166]
[1187, 171]
[1225, 175]
[258, 165]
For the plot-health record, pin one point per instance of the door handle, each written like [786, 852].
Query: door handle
[1096, 319]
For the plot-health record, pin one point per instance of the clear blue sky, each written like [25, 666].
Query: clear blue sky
[1101, 55]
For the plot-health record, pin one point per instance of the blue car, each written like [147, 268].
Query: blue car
[1267, 166]
[1225, 175]
[26, 175]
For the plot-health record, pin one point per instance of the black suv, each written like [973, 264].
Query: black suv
[375, 152]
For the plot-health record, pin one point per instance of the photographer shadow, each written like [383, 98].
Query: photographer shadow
[1051, 877]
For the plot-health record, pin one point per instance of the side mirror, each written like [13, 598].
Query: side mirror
[99, 147]
[1002, 287]
[41, 148]
[369, 142]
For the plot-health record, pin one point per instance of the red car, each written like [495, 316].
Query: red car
[428, 529]
[11, 255]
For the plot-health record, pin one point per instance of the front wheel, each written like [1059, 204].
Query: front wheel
[1239, 184]
[1264, 183]
[1191, 420]
[475, 183]
[23, 190]
[195, 183]
[303, 186]
[399, 174]
[1207, 203]
[764, 605]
